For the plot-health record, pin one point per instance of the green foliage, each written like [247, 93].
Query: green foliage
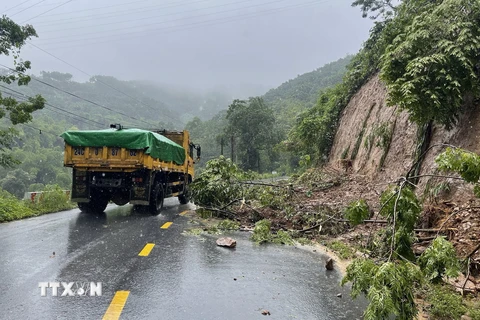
[465, 163]
[52, 199]
[376, 7]
[445, 304]
[12, 209]
[407, 212]
[216, 186]
[252, 124]
[228, 225]
[12, 39]
[315, 128]
[439, 260]
[433, 190]
[344, 252]
[432, 62]
[389, 287]
[357, 211]
[273, 197]
[261, 232]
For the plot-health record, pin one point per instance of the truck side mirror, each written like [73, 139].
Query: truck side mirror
[199, 152]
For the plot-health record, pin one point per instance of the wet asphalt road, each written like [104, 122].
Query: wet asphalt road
[183, 276]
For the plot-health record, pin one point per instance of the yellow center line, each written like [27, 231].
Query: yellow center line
[146, 250]
[166, 225]
[184, 212]
[116, 306]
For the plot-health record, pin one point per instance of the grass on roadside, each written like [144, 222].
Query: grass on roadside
[53, 200]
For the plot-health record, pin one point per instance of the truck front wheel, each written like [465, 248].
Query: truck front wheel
[156, 200]
[185, 197]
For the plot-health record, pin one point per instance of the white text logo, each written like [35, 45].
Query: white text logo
[70, 289]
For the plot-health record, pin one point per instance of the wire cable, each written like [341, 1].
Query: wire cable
[33, 5]
[162, 22]
[130, 11]
[78, 97]
[38, 15]
[24, 96]
[189, 26]
[104, 83]
[18, 5]
[148, 10]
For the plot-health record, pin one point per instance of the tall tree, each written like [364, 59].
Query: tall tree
[12, 39]
[252, 124]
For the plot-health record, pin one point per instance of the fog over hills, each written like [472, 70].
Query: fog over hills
[241, 47]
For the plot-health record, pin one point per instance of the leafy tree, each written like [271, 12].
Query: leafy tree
[253, 125]
[357, 211]
[376, 7]
[12, 39]
[439, 260]
[216, 186]
[315, 128]
[432, 63]
[13, 185]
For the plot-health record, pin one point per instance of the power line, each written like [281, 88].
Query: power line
[189, 26]
[78, 97]
[18, 5]
[35, 128]
[33, 5]
[23, 96]
[130, 11]
[166, 21]
[163, 15]
[89, 101]
[38, 15]
[104, 83]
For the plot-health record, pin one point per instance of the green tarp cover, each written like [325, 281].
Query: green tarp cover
[156, 145]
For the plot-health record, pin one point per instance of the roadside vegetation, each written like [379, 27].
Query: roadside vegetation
[52, 199]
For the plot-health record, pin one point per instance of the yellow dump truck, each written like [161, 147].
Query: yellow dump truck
[141, 167]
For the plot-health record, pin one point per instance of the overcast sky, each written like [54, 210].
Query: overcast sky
[192, 43]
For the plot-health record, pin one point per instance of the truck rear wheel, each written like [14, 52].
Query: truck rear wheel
[156, 200]
[97, 205]
[83, 206]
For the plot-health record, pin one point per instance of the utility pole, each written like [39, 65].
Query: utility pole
[221, 146]
[232, 146]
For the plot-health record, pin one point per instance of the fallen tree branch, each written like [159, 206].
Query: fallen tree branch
[466, 278]
[436, 176]
[225, 213]
[230, 203]
[472, 252]
[266, 184]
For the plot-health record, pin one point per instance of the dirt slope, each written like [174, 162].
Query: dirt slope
[375, 145]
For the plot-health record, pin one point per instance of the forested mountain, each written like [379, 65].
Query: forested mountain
[304, 89]
[286, 103]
